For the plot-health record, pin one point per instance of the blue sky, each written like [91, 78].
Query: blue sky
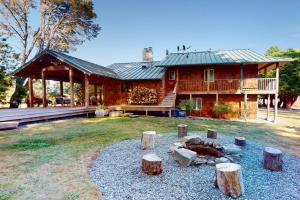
[129, 26]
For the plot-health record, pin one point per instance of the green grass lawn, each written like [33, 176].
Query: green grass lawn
[51, 160]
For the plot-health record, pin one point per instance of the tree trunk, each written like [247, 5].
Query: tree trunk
[229, 179]
[151, 164]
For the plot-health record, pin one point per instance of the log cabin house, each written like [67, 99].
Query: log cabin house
[228, 77]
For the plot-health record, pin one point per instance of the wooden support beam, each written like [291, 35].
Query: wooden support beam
[95, 93]
[217, 98]
[87, 95]
[71, 79]
[61, 87]
[241, 76]
[44, 89]
[30, 88]
[268, 107]
[276, 94]
[83, 91]
[245, 106]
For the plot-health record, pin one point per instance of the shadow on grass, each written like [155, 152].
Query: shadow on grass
[30, 144]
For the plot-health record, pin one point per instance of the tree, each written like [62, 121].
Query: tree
[66, 24]
[8, 61]
[63, 25]
[289, 76]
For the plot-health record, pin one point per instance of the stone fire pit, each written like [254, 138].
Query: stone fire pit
[209, 151]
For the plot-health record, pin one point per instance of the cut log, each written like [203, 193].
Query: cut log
[184, 156]
[8, 125]
[273, 159]
[211, 133]
[115, 114]
[182, 130]
[240, 141]
[229, 179]
[151, 164]
[148, 139]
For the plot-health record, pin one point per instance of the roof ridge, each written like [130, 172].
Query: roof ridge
[133, 62]
[61, 52]
[211, 51]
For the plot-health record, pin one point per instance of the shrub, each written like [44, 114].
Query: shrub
[187, 105]
[220, 109]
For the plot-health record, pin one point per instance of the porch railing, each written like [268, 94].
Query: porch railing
[230, 85]
[266, 84]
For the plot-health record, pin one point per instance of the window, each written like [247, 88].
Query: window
[198, 103]
[126, 87]
[209, 75]
[171, 75]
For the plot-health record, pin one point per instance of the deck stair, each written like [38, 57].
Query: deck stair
[169, 100]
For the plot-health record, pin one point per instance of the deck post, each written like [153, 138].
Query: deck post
[44, 89]
[217, 98]
[30, 87]
[268, 107]
[241, 77]
[276, 93]
[83, 91]
[191, 98]
[71, 76]
[245, 106]
[95, 93]
[61, 87]
[87, 95]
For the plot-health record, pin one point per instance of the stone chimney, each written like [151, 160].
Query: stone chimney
[147, 54]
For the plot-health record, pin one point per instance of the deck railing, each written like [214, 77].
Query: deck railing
[261, 84]
[230, 85]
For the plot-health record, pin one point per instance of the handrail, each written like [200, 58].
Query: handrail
[226, 84]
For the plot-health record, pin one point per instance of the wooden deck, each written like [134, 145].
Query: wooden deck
[145, 108]
[26, 115]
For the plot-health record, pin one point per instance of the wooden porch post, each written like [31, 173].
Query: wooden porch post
[245, 106]
[95, 93]
[83, 91]
[276, 93]
[44, 89]
[61, 87]
[71, 74]
[30, 87]
[86, 80]
[268, 107]
[241, 77]
[217, 98]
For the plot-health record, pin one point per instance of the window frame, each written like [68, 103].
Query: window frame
[198, 107]
[174, 78]
[207, 75]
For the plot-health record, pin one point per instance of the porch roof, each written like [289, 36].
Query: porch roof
[81, 65]
[236, 56]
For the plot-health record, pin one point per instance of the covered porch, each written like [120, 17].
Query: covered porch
[55, 66]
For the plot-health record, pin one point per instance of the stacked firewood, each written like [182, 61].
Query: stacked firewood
[142, 95]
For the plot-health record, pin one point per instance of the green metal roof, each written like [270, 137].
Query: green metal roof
[218, 57]
[138, 70]
[82, 65]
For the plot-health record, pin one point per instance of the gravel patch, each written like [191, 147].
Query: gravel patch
[117, 174]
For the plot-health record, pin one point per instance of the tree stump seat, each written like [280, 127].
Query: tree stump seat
[272, 159]
[229, 179]
[212, 133]
[240, 141]
[151, 164]
[148, 139]
[182, 130]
